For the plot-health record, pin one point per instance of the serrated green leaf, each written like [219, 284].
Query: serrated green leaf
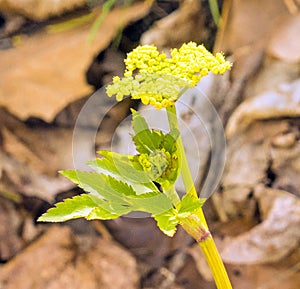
[167, 222]
[101, 214]
[120, 198]
[73, 208]
[138, 122]
[145, 140]
[189, 204]
[123, 168]
[152, 203]
[120, 186]
[169, 141]
[121, 165]
[93, 183]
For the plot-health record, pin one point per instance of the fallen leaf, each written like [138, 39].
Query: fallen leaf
[283, 44]
[31, 157]
[11, 222]
[286, 161]
[62, 262]
[22, 178]
[54, 248]
[271, 104]
[273, 239]
[247, 163]
[143, 238]
[246, 166]
[247, 22]
[248, 160]
[185, 24]
[39, 10]
[47, 71]
[284, 274]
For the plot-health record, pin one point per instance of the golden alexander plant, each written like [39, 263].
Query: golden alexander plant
[120, 184]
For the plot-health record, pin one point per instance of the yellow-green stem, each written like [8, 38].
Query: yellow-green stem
[185, 169]
[196, 225]
[172, 194]
[215, 263]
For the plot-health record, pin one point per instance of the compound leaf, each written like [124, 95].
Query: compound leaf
[100, 213]
[152, 203]
[124, 168]
[145, 140]
[120, 186]
[167, 222]
[138, 122]
[169, 141]
[72, 208]
[93, 183]
[189, 204]
[119, 197]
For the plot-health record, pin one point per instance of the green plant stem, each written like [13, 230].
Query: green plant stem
[172, 194]
[214, 9]
[106, 8]
[196, 225]
[185, 169]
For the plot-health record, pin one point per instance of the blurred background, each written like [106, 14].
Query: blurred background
[54, 54]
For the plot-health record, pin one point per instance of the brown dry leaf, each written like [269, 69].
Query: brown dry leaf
[39, 10]
[285, 154]
[47, 71]
[246, 166]
[31, 155]
[11, 221]
[60, 262]
[231, 86]
[247, 22]
[143, 238]
[276, 237]
[183, 25]
[248, 40]
[248, 160]
[272, 104]
[284, 43]
[45, 258]
[19, 177]
[245, 33]
[284, 274]
[176, 287]
[30, 158]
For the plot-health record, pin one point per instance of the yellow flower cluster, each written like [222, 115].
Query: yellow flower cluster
[152, 88]
[160, 79]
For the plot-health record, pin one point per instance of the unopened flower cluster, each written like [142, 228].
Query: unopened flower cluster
[159, 80]
[160, 165]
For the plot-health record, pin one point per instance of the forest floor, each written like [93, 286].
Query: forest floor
[49, 73]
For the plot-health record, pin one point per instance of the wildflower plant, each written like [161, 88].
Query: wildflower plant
[121, 183]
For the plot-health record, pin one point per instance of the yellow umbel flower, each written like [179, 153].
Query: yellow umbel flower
[160, 80]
